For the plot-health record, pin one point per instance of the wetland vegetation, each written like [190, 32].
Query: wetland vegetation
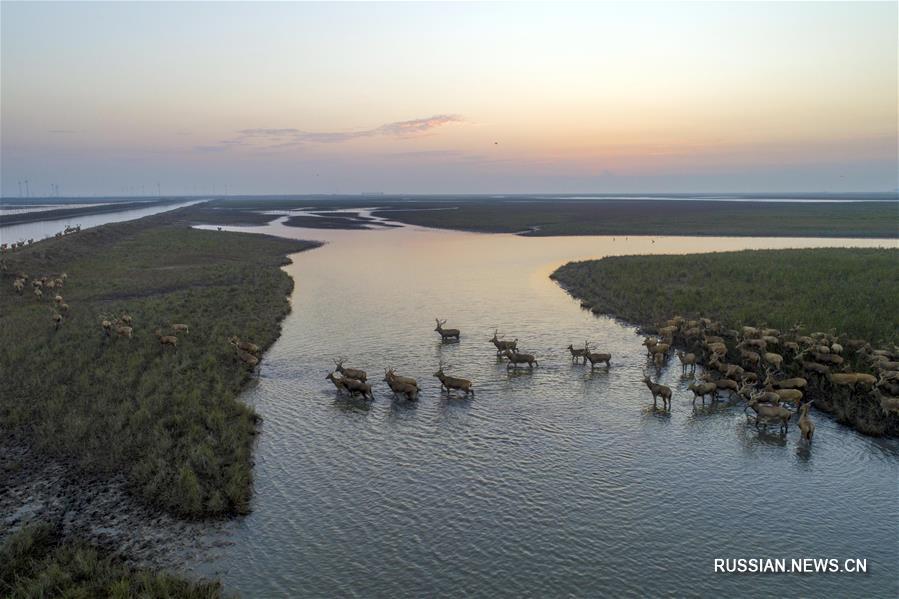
[37, 562]
[865, 216]
[852, 291]
[167, 417]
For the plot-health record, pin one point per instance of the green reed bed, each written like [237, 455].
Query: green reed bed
[848, 291]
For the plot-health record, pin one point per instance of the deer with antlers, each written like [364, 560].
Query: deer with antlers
[446, 334]
[353, 373]
[658, 391]
[450, 382]
[502, 345]
[401, 384]
[578, 354]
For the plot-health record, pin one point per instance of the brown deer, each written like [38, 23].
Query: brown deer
[516, 358]
[244, 345]
[703, 389]
[793, 383]
[357, 387]
[180, 328]
[353, 373]
[577, 354]
[57, 320]
[596, 357]
[123, 331]
[402, 379]
[806, 425]
[767, 413]
[450, 382]
[658, 391]
[446, 333]
[687, 360]
[410, 391]
[166, 339]
[338, 382]
[501, 345]
[246, 357]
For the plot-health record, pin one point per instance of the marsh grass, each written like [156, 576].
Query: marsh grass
[850, 291]
[535, 216]
[35, 562]
[169, 418]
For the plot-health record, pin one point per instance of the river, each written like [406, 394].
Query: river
[556, 482]
[47, 228]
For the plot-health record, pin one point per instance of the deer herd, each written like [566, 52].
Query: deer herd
[778, 374]
[121, 326]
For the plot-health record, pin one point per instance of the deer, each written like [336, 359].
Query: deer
[180, 328]
[721, 384]
[793, 383]
[244, 345]
[64, 308]
[57, 320]
[516, 358]
[687, 360]
[247, 358]
[357, 387]
[769, 413]
[123, 331]
[398, 386]
[450, 382]
[595, 357]
[793, 396]
[353, 373]
[658, 391]
[501, 345]
[126, 318]
[703, 389]
[446, 333]
[166, 339]
[775, 360]
[806, 425]
[107, 326]
[38, 294]
[58, 299]
[577, 354]
[338, 383]
[403, 379]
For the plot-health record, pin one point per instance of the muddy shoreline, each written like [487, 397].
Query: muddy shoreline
[98, 509]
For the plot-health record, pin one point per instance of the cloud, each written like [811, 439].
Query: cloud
[271, 138]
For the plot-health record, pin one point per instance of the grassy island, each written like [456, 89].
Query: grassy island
[168, 417]
[850, 291]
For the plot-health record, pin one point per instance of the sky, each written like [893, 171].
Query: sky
[271, 98]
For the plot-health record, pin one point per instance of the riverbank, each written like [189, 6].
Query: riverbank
[168, 419]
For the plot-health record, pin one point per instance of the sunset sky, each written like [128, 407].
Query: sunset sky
[448, 98]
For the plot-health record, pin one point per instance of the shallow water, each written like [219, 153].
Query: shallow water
[547, 483]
